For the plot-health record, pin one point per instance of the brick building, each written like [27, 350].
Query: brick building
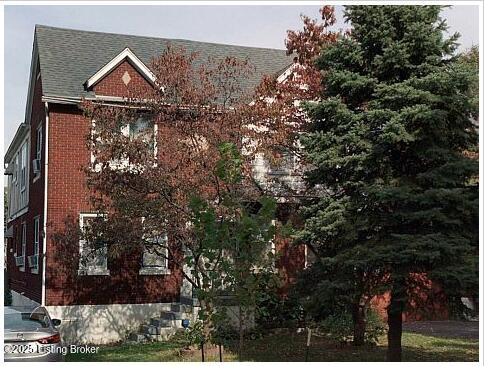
[47, 185]
[104, 301]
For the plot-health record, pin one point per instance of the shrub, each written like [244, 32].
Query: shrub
[224, 333]
[375, 327]
[276, 311]
[192, 336]
[339, 327]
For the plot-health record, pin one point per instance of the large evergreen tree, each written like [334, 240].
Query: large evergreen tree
[389, 145]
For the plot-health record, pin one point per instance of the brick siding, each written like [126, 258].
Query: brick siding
[27, 283]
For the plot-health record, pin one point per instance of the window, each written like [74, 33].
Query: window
[34, 259]
[155, 254]
[23, 174]
[18, 181]
[14, 201]
[93, 258]
[38, 151]
[142, 128]
[23, 247]
[15, 171]
[286, 163]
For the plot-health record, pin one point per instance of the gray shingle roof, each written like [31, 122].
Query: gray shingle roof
[69, 57]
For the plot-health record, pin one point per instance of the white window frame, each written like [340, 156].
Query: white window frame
[35, 269]
[38, 150]
[123, 163]
[85, 269]
[286, 166]
[18, 193]
[15, 169]
[153, 269]
[23, 174]
[23, 243]
[23, 168]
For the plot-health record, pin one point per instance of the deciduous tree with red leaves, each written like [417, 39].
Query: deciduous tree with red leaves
[160, 151]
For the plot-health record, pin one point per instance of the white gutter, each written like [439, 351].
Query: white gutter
[60, 100]
[44, 230]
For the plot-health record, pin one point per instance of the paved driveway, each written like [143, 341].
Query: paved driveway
[447, 328]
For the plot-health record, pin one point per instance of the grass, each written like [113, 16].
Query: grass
[291, 347]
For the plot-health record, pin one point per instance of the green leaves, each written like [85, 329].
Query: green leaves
[350, 86]
[389, 149]
[228, 168]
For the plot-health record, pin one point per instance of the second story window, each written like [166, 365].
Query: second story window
[144, 129]
[37, 166]
[23, 174]
[15, 170]
[285, 164]
[18, 171]
[140, 129]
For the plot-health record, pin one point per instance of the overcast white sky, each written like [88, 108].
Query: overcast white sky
[260, 26]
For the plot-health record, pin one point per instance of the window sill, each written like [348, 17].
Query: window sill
[93, 272]
[154, 271]
[34, 271]
[19, 212]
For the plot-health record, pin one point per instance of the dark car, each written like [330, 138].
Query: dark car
[31, 335]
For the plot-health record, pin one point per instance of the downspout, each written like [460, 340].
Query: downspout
[44, 231]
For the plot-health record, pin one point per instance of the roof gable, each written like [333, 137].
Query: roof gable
[125, 54]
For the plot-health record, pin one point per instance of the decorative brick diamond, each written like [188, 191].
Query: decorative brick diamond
[126, 78]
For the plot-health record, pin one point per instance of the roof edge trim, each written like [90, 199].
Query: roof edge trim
[20, 135]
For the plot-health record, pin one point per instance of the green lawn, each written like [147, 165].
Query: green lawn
[291, 347]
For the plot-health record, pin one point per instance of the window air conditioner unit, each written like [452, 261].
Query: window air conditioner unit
[33, 260]
[36, 166]
[19, 261]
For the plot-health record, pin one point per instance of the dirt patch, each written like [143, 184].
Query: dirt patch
[211, 352]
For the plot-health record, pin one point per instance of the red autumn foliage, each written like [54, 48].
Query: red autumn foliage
[278, 102]
[156, 166]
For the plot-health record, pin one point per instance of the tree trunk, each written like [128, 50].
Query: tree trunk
[395, 317]
[359, 324]
[206, 307]
[241, 332]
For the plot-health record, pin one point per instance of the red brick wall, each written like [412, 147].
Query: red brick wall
[28, 283]
[113, 85]
[427, 302]
[290, 258]
[67, 197]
